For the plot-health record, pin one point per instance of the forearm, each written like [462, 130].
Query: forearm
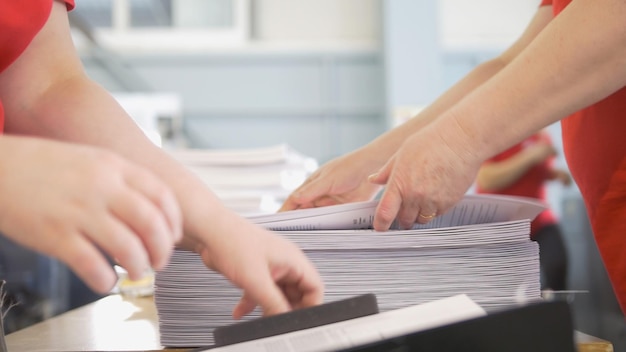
[386, 145]
[495, 176]
[567, 67]
[390, 141]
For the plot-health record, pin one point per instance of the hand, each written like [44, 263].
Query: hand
[72, 202]
[425, 177]
[562, 176]
[341, 180]
[272, 271]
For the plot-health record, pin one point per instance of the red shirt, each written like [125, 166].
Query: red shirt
[595, 150]
[20, 21]
[532, 184]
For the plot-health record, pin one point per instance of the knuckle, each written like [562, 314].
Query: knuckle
[103, 162]
[105, 157]
[124, 253]
[164, 195]
[148, 220]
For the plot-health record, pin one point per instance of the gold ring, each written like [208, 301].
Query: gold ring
[428, 217]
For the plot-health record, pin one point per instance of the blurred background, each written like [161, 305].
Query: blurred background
[321, 76]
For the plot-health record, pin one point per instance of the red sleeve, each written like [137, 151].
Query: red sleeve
[505, 154]
[70, 4]
[546, 2]
[19, 23]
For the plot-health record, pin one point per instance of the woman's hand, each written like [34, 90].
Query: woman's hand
[429, 174]
[341, 180]
[74, 202]
[272, 271]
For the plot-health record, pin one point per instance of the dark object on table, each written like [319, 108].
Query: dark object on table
[538, 327]
[300, 319]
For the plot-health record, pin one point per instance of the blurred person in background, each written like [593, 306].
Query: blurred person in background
[524, 170]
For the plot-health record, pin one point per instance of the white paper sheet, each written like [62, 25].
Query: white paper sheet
[472, 209]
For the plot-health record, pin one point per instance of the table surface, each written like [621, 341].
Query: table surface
[118, 323]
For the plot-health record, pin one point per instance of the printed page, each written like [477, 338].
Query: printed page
[361, 331]
[348, 216]
[472, 209]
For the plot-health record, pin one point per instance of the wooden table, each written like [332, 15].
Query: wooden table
[118, 323]
[113, 323]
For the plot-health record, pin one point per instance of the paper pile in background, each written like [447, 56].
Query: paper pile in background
[249, 181]
[480, 248]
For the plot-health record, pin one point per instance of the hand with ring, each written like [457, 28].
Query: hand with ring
[428, 175]
[424, 219]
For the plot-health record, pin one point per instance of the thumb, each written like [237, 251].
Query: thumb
[382, 176]
[305, 195]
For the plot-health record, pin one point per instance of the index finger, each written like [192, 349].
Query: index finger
[287, 287]
[305, 195]
[161, 196]
[290, 203]
[307, 285]
[262, 291]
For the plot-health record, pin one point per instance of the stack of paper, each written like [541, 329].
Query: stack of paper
[480, 248]
[249, 181]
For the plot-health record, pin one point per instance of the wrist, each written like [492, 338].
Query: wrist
[373, 156]
[465, 141]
